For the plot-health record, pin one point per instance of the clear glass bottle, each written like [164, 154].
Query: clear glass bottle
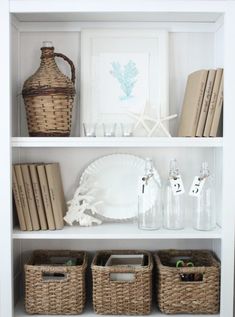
[204, 217]
[149, 199]
[174, 212]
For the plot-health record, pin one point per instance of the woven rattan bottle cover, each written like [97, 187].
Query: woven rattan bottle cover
[49, 95]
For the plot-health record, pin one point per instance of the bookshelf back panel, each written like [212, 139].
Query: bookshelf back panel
[73, 161]
[189, 51]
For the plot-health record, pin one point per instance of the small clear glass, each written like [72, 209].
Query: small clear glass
[89, 129]
[174, 214]
[204, 217]
[109, 129]
[127, 129]
[149, 200]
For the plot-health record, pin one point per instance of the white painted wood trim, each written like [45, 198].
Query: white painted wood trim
[112, 231]
[6, 272]
[116, 6]
[21, 142]
[74, 26]
[228, 204]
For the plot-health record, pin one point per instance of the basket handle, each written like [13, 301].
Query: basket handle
[186, 272]
[70, 64]
[52, 274]
[122, 277]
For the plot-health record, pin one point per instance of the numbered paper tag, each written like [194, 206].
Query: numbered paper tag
[177, 185]
[197, 186]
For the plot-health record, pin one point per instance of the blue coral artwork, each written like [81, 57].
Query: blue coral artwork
[127, 76]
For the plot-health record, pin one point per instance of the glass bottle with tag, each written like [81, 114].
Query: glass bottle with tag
[202, 190]
[174, 214]
[149, 199]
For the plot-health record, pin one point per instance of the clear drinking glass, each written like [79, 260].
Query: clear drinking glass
[204, 215]
[174, 204]
[89, 129]
[149, 200]
[127, 129]
[109, 129]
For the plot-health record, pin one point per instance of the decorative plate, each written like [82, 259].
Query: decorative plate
[118, 178]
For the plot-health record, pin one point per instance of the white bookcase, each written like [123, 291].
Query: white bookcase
[201, 35]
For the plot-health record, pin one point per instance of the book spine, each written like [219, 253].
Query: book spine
[213, 101]
[218, 111]
[199, 106]
[38, 196]
[46, 196]
[23, 197]
[19, 208]
[54, 190]
[205, 103]
[30, 197]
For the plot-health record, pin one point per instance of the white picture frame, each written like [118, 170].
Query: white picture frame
[122, 71]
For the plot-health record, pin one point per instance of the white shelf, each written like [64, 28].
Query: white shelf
[116, 231]
[18, 142]
[20, 312]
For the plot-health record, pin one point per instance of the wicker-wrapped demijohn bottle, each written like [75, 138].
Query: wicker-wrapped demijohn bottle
[49, 96]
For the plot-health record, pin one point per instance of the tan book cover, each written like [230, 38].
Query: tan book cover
[211, 110]
[46, 196]
[30, 197]
[38, 196]
[19, 208]
[56, 193]
[218, 110]
[206, 102]
[192, 103]
[23, 197]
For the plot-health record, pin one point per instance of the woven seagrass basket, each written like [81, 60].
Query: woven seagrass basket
[48, 96]
[117, 297]
[55, 289]
[199, 296]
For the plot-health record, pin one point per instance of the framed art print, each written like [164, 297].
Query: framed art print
[122, 71]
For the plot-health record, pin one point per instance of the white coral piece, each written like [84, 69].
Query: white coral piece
[84, 199]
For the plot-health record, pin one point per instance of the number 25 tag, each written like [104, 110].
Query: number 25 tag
[177, 185]
[197, 186]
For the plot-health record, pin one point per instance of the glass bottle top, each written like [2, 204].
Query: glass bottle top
[174, 169]
[204, 172]
[47, 44]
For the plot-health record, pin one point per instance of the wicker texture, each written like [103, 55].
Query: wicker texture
[54, 297]
[49, 95]
[121, 297]
[197, 297]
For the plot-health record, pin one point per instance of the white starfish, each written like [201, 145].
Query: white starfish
[159, 124]
[140, 120]
[148, 116]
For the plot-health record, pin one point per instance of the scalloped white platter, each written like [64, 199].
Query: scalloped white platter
[118, 177]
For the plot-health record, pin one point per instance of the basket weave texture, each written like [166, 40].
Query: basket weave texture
[53, 297]
[48, 96]
[197, 297]
[122, 297]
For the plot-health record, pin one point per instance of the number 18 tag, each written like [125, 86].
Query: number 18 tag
[197, 186]
[177, 185]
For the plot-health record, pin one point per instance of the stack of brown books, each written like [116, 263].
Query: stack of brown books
[38, 196]
[202, 106]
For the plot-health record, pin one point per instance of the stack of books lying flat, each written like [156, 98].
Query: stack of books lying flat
[201, 114]
[38, 196]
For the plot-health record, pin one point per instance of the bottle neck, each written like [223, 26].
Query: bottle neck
[47, 56]
[174, 170]
[204, 170]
